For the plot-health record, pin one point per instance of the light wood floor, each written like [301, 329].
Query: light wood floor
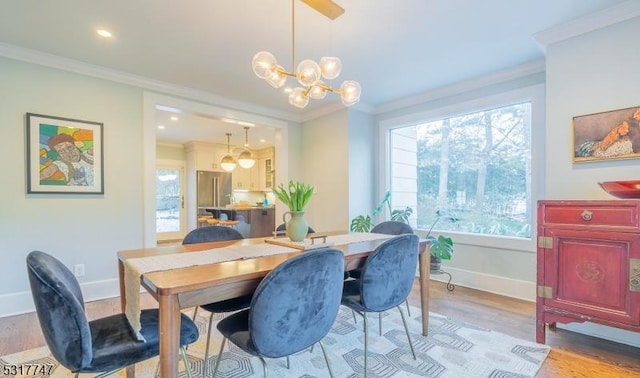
[572, 354]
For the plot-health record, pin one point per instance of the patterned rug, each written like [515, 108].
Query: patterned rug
[452, 350]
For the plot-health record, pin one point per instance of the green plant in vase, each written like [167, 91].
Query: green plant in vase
[295, 196]
[440, 248]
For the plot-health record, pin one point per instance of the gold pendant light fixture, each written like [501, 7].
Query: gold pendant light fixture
[308, 73]
[228, 163]
[245, 159]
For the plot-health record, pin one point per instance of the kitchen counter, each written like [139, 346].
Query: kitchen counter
[254, 221]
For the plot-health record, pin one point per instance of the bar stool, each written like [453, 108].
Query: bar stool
[229, 223]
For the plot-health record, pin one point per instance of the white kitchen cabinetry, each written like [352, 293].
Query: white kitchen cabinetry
[244, 179]
[206, 156]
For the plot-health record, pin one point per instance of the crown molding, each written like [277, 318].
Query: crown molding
[523, 70]
[606, 17]
[70, 65]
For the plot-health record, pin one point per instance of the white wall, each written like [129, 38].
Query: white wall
[78, 229]
[362, 156]
[591, 73]
[324, 155]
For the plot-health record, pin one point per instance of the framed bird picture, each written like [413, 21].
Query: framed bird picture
[608, 135]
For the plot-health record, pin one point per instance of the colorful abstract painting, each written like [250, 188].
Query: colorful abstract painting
[65, 155]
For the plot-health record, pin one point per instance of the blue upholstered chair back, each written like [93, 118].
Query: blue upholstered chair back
[60, 308]
[211, 233]
[392, 228]
[389, 272]
[296, 304]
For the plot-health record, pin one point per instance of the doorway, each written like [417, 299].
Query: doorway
[170, 209]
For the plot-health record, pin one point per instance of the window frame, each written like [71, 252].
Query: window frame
[534, 94]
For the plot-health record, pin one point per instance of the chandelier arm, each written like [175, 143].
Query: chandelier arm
[327, 88]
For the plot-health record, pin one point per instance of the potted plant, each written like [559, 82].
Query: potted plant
[295, 196]
[364, 223]
[440, 248]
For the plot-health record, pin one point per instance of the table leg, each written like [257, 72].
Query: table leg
[169, 329]
[425, 267]
[130, 370]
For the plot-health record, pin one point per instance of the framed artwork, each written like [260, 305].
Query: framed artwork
[607, 135]
[64, 155]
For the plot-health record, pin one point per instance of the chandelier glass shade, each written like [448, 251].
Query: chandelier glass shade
[308, 74]
[228, 163]
[245, 159]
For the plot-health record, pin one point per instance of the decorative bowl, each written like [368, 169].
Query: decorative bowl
[622, 189]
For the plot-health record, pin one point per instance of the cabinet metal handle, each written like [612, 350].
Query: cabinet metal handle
[587, 215]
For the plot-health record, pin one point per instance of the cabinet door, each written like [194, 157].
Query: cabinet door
[241, 178]
[265, 173]
[590, 273]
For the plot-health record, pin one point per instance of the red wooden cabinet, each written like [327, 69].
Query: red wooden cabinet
[588, 263]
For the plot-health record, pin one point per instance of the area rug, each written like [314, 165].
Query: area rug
[452, 350]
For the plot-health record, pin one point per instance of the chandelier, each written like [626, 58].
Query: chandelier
[228, 163]
[245, 159]
[308, 73]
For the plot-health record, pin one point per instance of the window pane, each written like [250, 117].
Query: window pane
[475, 167]
[168, 200]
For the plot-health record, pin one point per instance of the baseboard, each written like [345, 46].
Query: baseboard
[508, 287]
[22, 302]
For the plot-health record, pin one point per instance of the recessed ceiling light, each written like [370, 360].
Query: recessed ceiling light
[104, 33]
[288, 90]
[161, 127]
[174, 118]
[262, 141]
[243, 123]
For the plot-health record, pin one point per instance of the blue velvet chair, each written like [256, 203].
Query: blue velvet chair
[386, 281]
[388, 228]
[293, 308]
[209, 234]
[103, 345]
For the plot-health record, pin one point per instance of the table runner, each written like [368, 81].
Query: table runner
[134, 268]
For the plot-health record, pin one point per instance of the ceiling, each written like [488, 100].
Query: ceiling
[394, 49]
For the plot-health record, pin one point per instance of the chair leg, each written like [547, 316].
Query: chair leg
[380, 323]
[288, 364]
[326, 359]
[206, 349]
[215, 371]
[195, 314]
[354, 316]
[407, 331]
[186, 362]
[406, 301]
[366, 343]
[264, 366]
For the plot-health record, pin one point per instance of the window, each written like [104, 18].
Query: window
[475, 166]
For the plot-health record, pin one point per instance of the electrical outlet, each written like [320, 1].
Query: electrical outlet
[78, 270]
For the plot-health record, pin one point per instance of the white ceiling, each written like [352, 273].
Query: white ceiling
[396, 49]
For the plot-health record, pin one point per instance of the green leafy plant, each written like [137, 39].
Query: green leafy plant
[295, 195]
[361, 223]
[364, 223]
[442, 246]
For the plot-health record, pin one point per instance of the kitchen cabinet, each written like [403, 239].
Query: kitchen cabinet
[588, 264]
[260, 176]
[206, 156]
[245, 179]
[265, 173]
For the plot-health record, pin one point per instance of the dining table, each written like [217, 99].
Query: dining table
[188, 286]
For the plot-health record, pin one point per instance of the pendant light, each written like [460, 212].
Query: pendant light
[228, 163]
[246, 159]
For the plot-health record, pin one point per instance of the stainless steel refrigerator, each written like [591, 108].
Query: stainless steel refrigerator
[214, 189]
